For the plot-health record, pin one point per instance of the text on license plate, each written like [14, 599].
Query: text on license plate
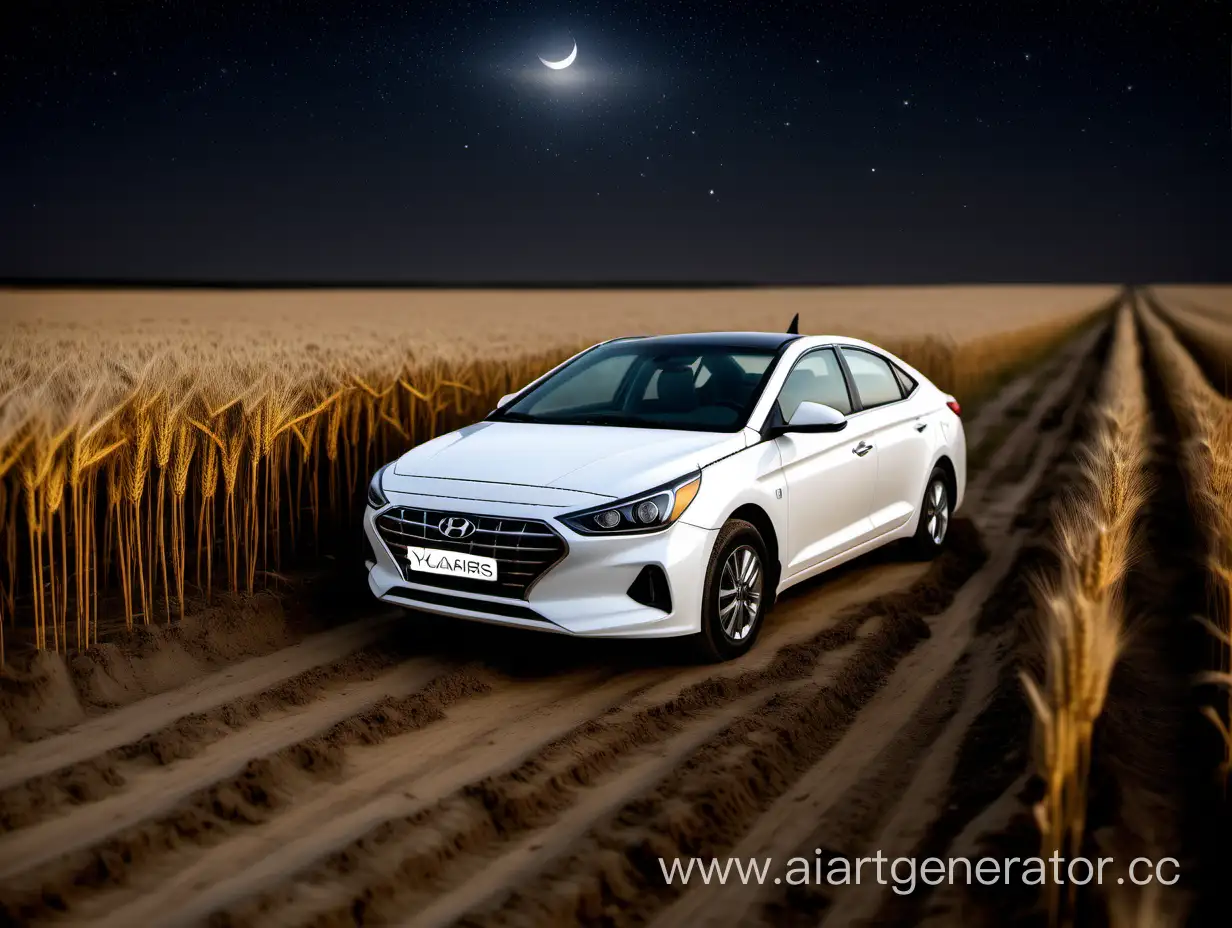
[451, 563]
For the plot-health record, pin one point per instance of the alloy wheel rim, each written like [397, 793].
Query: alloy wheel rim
[937, 512]
[740, 591]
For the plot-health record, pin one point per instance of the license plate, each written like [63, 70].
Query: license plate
[451, 563]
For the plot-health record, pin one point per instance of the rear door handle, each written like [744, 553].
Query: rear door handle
[862, 449]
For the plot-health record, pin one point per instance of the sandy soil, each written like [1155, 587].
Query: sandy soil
[403, 770]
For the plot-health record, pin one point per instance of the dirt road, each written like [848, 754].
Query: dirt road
[400, 770]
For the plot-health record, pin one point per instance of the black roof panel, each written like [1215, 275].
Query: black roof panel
[763, 341]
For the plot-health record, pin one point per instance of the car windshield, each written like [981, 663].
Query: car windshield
[645, 384]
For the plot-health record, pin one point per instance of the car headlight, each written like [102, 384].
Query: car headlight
[376, 494]
[646, 512]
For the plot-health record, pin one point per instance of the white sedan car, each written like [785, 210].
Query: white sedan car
[671, 485]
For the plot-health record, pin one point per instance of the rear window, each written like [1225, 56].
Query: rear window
[874, 377]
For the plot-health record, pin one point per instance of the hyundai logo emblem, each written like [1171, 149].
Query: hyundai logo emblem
[455, 527]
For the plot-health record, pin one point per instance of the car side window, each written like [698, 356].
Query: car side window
[905, 380]
[874, 378]
[816, 378]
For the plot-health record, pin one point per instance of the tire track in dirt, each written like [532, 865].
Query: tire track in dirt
[612, 875]
[41, 797]
[245, 799]
[156, 790]
[1011, 460]
[996, 420]
[463, 835]
[279, 780]
[290, 841]
[129, 724]
[377, 783]
[789, 824]
[541, 789]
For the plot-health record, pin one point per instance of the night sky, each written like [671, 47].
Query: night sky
[698, 141]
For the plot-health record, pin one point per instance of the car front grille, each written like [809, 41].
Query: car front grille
[524, 549]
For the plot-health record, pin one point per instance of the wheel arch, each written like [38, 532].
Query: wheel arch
[951, 478]
[760, 519]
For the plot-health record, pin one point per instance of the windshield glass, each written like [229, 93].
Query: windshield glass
[643, 384]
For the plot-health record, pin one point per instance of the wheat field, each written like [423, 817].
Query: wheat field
[149, 440]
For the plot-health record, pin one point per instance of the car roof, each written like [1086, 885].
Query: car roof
[765, 341]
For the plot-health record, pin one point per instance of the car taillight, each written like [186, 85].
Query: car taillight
[953, 404]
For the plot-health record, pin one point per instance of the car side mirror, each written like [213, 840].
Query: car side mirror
[505, 399]
[815, 417]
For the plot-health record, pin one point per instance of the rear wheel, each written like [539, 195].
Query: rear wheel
[737, 593]
[935, 511]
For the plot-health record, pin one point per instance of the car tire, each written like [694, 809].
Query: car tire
[936, 508]
[739, 574]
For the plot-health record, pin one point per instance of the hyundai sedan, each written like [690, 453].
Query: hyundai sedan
[666, 486]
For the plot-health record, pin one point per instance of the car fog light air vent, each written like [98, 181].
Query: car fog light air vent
[650, 588]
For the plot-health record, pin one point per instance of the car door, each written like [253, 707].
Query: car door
[900, 433]
[829, 476]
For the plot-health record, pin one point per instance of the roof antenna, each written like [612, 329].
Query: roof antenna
[794, 328]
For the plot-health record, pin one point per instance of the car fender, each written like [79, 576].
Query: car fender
[753, 476]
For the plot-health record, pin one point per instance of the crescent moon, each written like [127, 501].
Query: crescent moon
[564, 62]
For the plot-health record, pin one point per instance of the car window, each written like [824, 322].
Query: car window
[905, 380]
[700, 372]
[726, 378]
[650, 383]
[817, 378]
[601, 383]
[874, 378]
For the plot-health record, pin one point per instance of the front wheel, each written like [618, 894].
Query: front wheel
[935, 511]
[737, 593]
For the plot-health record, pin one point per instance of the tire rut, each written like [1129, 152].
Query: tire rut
[537, 793]
[131, 723]
[44, 796]
[40, 884]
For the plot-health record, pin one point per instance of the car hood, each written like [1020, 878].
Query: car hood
[604, 460]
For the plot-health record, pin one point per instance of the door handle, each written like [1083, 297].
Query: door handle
[921, 426]
[862, 449]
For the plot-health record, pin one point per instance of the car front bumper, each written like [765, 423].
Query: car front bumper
[585, 593]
